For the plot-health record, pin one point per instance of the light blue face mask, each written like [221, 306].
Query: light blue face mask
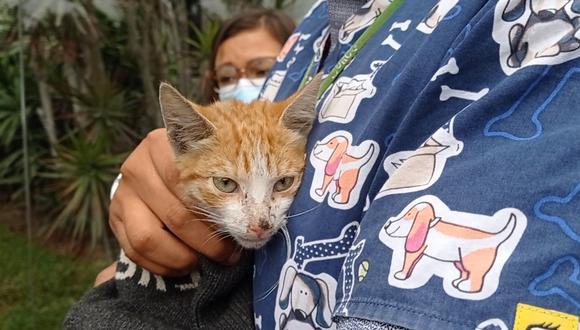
[246, 90]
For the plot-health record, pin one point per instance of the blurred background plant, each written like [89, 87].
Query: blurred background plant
[92, 68]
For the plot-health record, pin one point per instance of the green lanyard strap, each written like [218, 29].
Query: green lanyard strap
[358, 45]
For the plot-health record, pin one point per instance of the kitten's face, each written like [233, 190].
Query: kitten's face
[241, 162]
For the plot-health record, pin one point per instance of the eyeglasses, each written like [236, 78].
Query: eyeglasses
[228, 74]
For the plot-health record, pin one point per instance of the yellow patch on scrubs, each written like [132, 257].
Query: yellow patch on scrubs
[535, 318]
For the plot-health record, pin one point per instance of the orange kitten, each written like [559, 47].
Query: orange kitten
[240, 164]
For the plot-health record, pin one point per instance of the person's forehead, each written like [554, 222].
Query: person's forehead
[247, 45]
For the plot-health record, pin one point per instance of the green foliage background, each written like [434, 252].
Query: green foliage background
[58, 282]
[92, 71]
[92, 68]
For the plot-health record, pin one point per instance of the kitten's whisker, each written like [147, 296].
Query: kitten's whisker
[303, 212]
[198, 208]
[284, 231]
[217, 234]
[268, 292]
[204, 212]
[195, 208]
[197, 214]
[212, 217]
[213, 221]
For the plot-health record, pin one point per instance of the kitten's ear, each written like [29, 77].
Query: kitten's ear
[185, 125]
[301, 112]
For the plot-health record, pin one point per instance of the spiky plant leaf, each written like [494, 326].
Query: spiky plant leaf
[83, 173]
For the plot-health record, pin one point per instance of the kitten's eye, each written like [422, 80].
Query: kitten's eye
[283, 184]
[226, 185]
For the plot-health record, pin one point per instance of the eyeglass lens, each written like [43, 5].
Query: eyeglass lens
[228, 74]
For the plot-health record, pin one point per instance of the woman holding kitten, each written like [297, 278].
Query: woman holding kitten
[244, 51]
[441, 185]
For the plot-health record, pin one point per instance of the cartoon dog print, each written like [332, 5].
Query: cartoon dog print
[307, 301]
[337, 161]
[411, 171]
[344, 97]
[436, 15]
[273, 84]
[324, 249]
[525, 41]
[467, 250]
[348, 275]
[536, 32]
[363, 18]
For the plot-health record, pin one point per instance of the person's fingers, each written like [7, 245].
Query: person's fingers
[106, 274]
[183, 223]
[147, 263]
[163, 159]
[143, 237]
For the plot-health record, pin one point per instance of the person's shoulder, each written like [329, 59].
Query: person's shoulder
[319, 5]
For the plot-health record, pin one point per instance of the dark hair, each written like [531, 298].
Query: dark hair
[276, 22]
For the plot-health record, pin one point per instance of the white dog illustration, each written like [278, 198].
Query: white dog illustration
[536, 32]
[341, 167]
[436, 15]
[476, 245]
[308, 299]
[365, 17]
[549, 30]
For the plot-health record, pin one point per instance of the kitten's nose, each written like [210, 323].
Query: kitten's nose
[260, 228]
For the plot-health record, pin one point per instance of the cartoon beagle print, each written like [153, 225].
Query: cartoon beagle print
[536, 32]
[337, 161]
[436, 15]
[344, 97]
[363, 18]
[467, 250]
[306, 301]
[417, 170]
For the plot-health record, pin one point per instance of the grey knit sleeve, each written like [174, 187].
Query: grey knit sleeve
[217, 297]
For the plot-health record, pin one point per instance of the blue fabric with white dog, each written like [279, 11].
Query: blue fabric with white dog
[442, 186]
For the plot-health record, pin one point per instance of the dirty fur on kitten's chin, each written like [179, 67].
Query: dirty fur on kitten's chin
[256, 145]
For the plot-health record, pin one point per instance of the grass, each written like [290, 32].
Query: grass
[58, 281]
